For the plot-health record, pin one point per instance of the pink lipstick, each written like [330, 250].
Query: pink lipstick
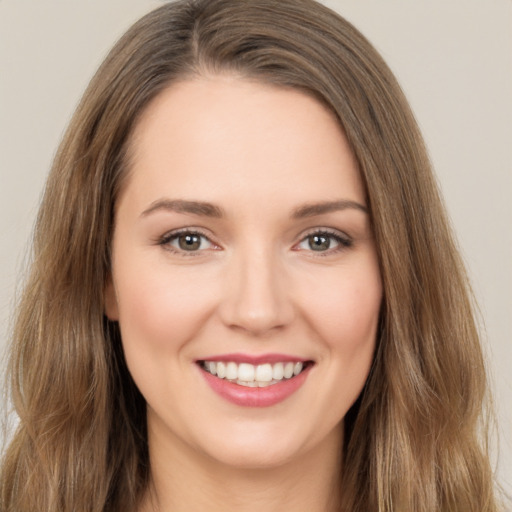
[255, 381]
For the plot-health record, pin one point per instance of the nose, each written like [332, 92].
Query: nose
[257, 296]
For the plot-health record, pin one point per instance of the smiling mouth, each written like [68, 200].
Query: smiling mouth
[254, 376]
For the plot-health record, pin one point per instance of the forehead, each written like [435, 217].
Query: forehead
[223, 135]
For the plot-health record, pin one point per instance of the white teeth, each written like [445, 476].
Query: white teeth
[231, 371]
[278, 371]
[212, 367]
[246, 372]
[249, 384]
[264, 373]
[221, 370]
[250, 375]
[288, 370]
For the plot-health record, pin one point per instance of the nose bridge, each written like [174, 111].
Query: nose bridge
[256, 294]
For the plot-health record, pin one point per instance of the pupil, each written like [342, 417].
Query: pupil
[189, 242]
[319, 242]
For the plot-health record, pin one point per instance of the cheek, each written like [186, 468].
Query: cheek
[346, 311]
[343, 317]
[160, 309]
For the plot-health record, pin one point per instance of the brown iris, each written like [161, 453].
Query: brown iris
[189, 242]
[319, 242]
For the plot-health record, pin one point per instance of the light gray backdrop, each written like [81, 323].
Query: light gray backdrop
[453, 59]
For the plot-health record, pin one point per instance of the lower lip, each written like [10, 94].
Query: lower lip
[255, 397]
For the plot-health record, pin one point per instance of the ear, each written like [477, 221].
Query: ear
[110, 301]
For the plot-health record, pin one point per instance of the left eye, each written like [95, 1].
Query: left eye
[188, 241]
[322, 242]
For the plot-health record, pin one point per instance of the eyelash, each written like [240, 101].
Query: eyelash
[343, 241]
[165, 241]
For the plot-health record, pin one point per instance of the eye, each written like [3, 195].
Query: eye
[323, 241]
[186, 241]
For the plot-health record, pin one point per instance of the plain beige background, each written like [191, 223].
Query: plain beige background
[452, 57]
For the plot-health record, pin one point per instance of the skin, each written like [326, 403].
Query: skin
[255, 285]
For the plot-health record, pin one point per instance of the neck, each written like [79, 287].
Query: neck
[185, 480]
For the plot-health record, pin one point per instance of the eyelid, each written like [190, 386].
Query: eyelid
[166, 239]
[343, 240]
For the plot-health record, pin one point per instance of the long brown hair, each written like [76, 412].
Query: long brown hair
[414, 439]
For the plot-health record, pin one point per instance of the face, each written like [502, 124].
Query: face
[244, 275]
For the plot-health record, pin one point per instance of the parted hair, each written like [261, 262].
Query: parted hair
[415, 440]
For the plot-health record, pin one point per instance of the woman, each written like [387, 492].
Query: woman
[244, 290]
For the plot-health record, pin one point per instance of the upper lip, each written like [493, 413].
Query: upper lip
[255, 359]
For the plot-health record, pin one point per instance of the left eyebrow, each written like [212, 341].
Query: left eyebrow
[313, 209]
[200, 208]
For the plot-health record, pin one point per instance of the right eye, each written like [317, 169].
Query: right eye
[186, 241]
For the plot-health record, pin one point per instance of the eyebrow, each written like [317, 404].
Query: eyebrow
[181, 206]
[313, 209]
[206, 209]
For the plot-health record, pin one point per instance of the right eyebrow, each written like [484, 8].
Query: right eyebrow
[201, 208]
[314, 209]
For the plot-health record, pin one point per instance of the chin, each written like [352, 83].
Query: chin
[266, 447]
[254, 456]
